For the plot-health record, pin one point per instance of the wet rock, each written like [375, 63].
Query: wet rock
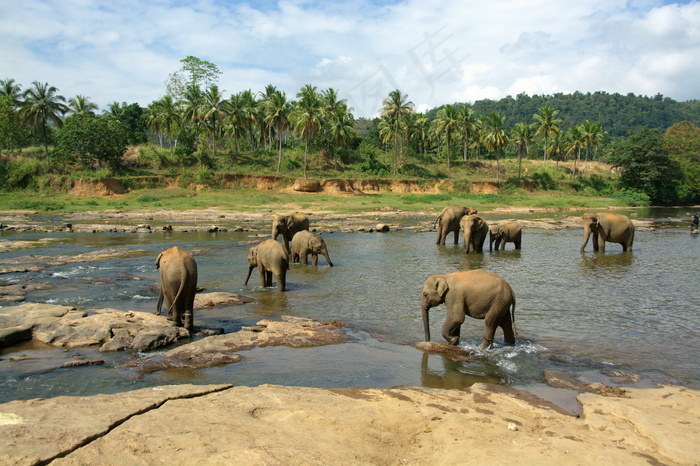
[560, 379]
[455, 353]
[208, 300]
[382, 227]
[65, 327]
[221, 349]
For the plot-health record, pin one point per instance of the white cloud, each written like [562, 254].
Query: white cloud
[437, 52]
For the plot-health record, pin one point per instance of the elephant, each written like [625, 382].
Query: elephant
[474, 293]
[475, 230]
[448, 221]
[178, 285]
[288, 225]
[270, 258]
[509, 232]
[305, 243]
[613, 228]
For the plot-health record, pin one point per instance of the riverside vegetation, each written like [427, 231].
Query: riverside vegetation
[640, 151]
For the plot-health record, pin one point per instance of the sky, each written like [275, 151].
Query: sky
[434, 51]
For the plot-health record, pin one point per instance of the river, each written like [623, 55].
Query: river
[589, 314]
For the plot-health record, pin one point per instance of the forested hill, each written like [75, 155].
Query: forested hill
[619, 114]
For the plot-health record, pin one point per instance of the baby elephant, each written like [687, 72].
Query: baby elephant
[475, 293]
[271, 258]
[509, 232]
[305, 243]
[178, 285]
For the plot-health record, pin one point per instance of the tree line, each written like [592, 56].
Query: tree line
[195, 122]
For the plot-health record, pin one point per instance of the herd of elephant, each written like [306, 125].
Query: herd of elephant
[485, 295]
[474, 293]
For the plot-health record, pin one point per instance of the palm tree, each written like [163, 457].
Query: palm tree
[557, 146]
[395, 109]
[593, 136]
[81, 105]
[446, 122]
[251, 118]
[266, 95]
[235, 124]
[546, 123]
[276, 116]
[305, 117]
[575, 142]
[167, 113]
[11, 90]
[466, 124]
[42, 105]
[420, 131]
[211, 112]
[495, 137]
[115, 110]
[337, 120]
[192, 103]
[522, 137]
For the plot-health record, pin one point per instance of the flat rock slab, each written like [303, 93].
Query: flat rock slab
[221, 349]
[268, 424]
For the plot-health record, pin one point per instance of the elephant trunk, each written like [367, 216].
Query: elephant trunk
[250, 271]
[328, 258]
[426, 321]
[586, 235]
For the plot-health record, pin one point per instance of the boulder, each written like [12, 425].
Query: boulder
[306, 185]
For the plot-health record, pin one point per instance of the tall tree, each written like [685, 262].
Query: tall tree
[395, 110]
[193, 72]
[43, 106]
[277, 110]
[575, 142]
[593, 135]
[546, 123]
[466, 124]
[211, 112]
[495, 137]
[167, 113]
[522, 137]
[645, 165]
[446, 122]
[305, 117]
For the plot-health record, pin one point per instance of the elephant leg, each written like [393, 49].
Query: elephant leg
[262, 275]
[314, 259]
[306, 257]
[281, 281]
[189, 320]
[503, 245]
[507, 326]
[450, 331]
[456, 235]
[517, 245]
[268, 278]
[492, 322]
[440, 238]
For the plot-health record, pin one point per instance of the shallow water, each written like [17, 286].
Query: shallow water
[584, 313]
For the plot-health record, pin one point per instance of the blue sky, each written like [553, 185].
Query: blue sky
[436, 51]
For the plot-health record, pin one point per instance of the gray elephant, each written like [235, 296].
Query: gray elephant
[474, 293]
[305, 243]
[288, 226]
[606, 227]
[475, 231]
[178, 285]
[270, 258]
[509, 232]
[448, 221]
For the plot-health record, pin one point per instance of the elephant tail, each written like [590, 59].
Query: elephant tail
[171, 309]
[512, 313]
[439, 217]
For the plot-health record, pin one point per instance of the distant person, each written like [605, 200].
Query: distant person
[694, 220]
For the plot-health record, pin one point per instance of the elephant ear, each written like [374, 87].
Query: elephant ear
[290, 222]
[441, 287]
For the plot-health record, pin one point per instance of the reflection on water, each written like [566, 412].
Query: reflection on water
[633, 311]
